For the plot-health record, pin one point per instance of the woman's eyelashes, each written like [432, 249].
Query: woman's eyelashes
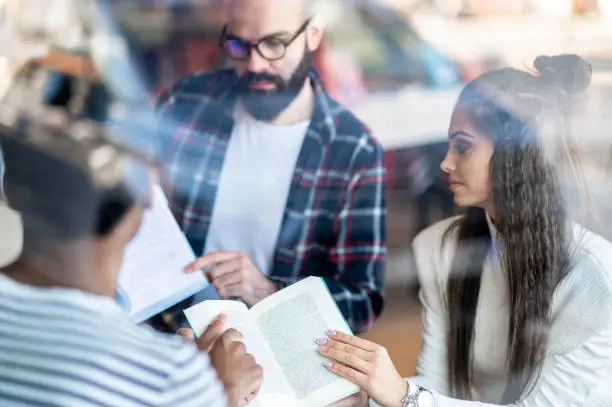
[461, 146]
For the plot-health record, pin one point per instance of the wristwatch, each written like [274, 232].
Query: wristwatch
[420, 398]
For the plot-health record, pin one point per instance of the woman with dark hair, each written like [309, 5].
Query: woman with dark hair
[517, 299]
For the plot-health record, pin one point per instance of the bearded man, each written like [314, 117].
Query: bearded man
[270, 179]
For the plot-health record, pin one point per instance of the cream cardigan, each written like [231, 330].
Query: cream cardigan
[577, 370]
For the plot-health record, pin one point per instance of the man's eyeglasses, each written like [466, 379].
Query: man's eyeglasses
[269, 47]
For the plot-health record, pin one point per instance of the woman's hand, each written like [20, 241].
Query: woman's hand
[367, 365]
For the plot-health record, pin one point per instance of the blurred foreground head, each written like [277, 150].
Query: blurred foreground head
[511, 154]
[75, 139]
[58, 199]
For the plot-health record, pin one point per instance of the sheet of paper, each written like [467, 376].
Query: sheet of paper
[152, 276]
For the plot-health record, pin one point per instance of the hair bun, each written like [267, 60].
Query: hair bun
[570, 72]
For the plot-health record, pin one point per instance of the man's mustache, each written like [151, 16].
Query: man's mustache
[253, 77]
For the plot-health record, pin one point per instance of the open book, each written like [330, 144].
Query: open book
[152, 277]
[280, 332]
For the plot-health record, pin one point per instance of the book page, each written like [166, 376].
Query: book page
[201, 315]
[292, 320]
[152, 277]
[275, 390]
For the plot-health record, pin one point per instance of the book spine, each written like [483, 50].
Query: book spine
[345, 322]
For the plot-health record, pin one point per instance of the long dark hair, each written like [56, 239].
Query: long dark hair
[527, 118]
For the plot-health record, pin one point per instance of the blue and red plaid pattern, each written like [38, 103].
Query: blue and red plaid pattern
[334, 225]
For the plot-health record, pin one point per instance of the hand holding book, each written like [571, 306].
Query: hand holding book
[281, 333]
[238, 371]
[366, 364]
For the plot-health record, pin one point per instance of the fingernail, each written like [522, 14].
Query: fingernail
[321, 341]
[328, 363]
[218, 323]
[331, 332]
[323, 348]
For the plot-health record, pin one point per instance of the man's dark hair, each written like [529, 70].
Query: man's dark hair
[56, 198]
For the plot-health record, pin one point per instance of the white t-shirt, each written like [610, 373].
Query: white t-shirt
[253, 188]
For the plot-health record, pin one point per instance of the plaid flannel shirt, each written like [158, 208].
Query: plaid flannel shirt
[334, 224]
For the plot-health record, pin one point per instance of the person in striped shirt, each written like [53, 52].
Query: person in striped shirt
[64, 341]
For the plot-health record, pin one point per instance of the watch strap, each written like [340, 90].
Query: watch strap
[411, 399]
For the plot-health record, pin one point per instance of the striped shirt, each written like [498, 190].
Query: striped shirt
[63, 347]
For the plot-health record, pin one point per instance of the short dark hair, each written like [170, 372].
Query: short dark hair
[56, 198]
[48, 179]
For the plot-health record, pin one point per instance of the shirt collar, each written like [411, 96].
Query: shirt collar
[491, 224]
[493, 231]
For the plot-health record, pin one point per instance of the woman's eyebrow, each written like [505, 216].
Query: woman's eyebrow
[458, 133]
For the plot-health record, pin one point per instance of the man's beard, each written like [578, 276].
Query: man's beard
[266, 105]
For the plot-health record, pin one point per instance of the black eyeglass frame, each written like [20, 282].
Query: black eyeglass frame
[255, 45]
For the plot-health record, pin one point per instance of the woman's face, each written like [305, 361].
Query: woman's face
[467, 162]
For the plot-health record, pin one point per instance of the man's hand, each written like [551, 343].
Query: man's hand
[235, 276]
[238, 370]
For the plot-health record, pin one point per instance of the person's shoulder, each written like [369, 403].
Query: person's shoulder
[173, 363]
[593, 245]
[353, 146]
[591, 260]
[147, 337]
[346, 123]
[436, 234]
[433, 250]
[582, 304]
[349, 127]
[210, 84]
[100, 335]
[143, 343]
